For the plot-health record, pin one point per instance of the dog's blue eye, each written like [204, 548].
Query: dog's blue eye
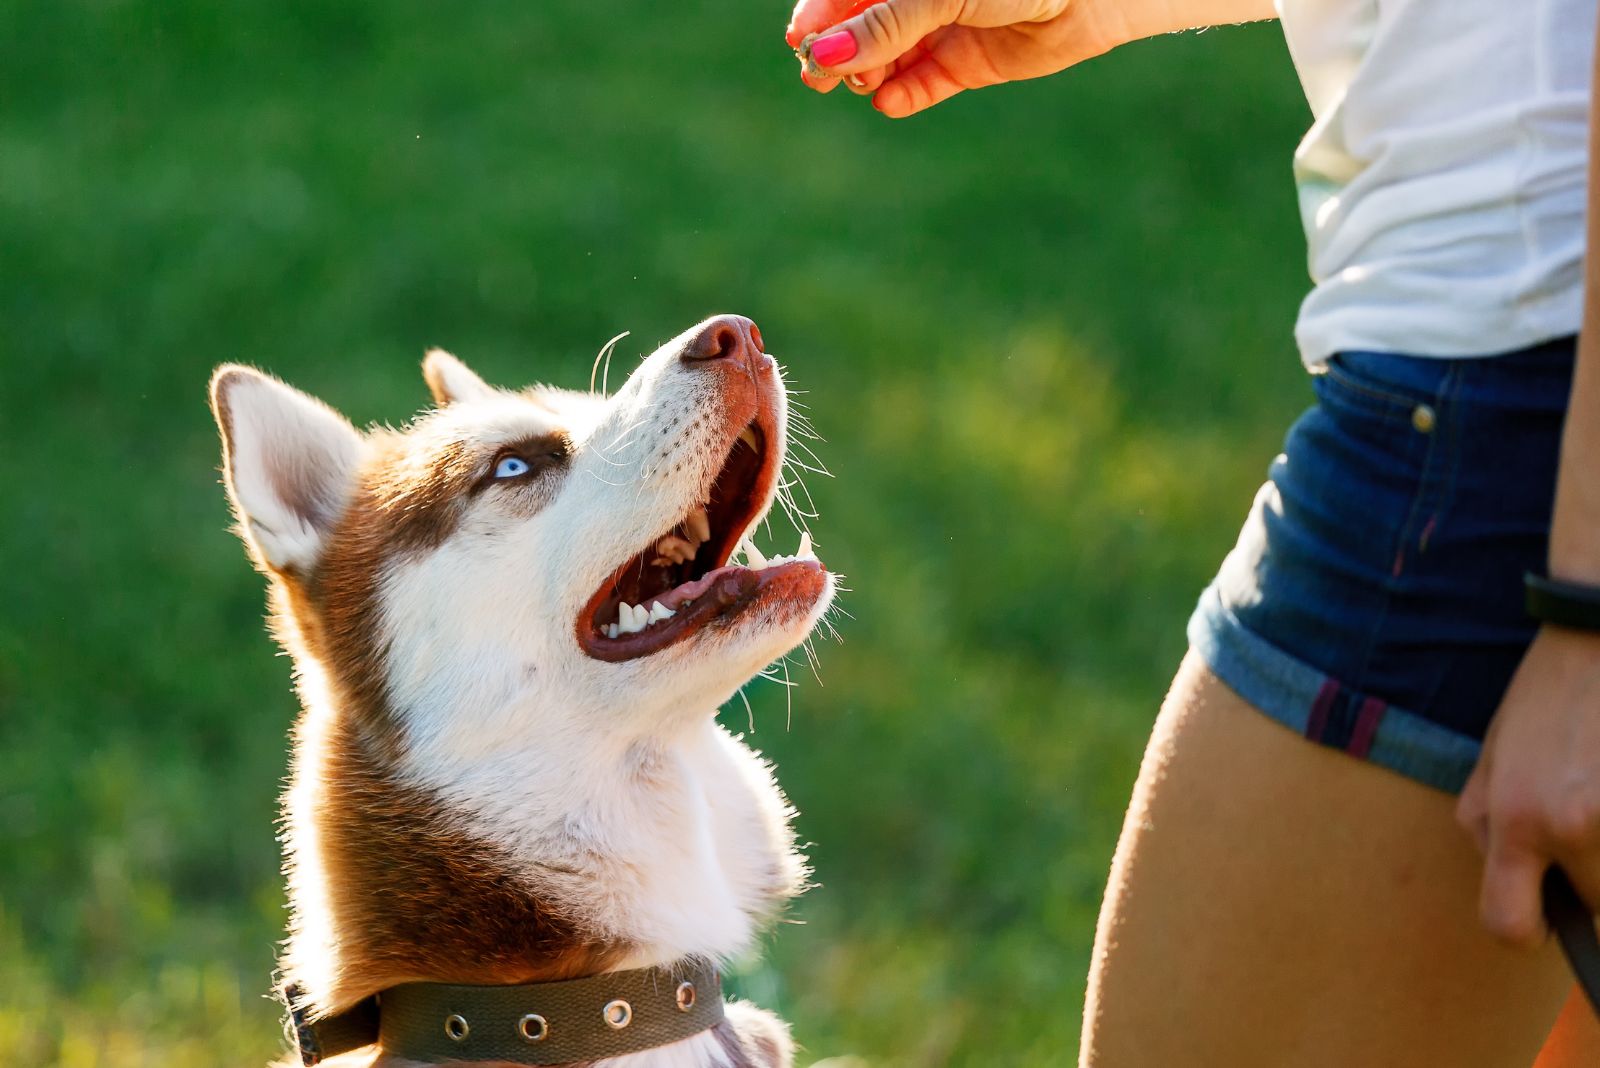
[511, 467]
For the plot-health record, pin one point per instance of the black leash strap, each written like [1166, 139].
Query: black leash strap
[1573, 924]
[319, 1040]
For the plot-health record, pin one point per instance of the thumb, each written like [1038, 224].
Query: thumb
[880, 34]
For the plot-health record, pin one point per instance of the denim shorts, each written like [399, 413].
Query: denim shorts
[1373, 602]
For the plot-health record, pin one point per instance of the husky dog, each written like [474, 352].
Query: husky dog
[512, 624]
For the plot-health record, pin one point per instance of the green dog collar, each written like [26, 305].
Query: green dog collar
[534, 1023]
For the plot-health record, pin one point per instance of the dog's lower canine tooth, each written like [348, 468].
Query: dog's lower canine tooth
[805, 545]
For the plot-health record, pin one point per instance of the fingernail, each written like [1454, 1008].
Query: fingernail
[857, 80]
[836, 48]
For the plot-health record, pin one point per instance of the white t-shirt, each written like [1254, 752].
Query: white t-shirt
[1442, 182]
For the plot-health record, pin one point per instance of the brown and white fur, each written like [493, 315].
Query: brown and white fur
[488, 786]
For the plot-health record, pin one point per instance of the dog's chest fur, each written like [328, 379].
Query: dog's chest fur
[505, 877]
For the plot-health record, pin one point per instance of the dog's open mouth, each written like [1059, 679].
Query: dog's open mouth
[683, 579]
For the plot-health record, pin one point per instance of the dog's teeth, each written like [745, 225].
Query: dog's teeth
[752, 554]
[658, 613]
[662, 561]
[698, 524]
[748, 436]
[630, 619]
[804, 552]
[612, 630]
[675, 548]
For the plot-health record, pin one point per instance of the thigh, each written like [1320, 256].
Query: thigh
[1274, 902]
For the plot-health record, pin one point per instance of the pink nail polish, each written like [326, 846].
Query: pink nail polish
[834, 49]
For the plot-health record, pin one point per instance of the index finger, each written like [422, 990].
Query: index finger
[811, 16]
[1510, 904]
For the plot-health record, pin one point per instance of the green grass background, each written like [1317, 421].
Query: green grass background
[1045, 329]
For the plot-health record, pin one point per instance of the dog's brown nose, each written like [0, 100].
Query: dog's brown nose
[727, 337]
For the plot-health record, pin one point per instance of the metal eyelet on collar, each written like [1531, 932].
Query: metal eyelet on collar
[533, 1028]
[455, 1026]
[686, 996]
[618, 1014]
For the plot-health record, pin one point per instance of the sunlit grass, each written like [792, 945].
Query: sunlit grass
[1044, 330]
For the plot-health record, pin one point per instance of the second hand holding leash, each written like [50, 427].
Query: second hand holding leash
[1569, 604]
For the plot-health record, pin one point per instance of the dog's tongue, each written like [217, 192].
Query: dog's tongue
[680, 595]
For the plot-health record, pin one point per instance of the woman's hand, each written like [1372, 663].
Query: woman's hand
[912, 54]
[1534, 798]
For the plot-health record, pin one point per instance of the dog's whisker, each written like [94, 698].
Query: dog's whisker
[623, 438]
[614, 485]
[788, 498]
[810, 501]
[605, 354]
[803, 429]
[811, 511]
[749, 713]
[799, 466]
[811, 657]
[788, 712]
[821, 468]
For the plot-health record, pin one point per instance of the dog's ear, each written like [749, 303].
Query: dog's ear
[450, 380]
[290, 462]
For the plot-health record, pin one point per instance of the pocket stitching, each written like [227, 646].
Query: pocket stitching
[1375, 400]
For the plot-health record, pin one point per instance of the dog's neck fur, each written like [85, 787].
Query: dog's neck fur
[406, 864]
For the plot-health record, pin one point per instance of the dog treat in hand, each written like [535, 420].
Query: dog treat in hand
[804, 52]
[804, 49]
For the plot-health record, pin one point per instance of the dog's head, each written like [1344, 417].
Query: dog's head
[544, 563]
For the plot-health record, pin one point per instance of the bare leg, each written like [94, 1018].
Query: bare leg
[1274, 903]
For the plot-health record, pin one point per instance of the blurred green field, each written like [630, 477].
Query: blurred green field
[1045, 330]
